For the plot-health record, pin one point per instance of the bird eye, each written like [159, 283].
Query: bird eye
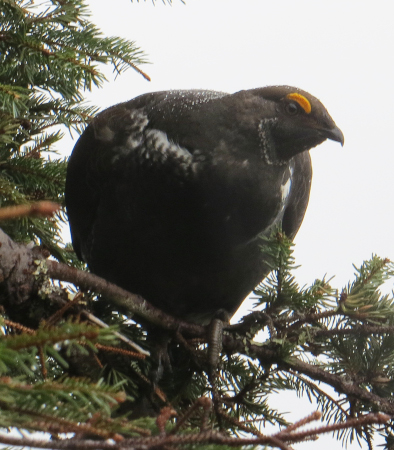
[292, 108]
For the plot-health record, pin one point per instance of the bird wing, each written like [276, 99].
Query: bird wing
[298, 199]
[142, 134]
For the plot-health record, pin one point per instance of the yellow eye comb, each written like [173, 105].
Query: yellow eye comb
[301, 100]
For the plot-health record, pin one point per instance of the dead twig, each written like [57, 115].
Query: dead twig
[40, 209]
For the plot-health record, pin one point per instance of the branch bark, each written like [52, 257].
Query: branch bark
[17, 268]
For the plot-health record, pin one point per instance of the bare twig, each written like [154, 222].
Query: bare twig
[368, 419]
[43, 209]
[123, 338]
[18, 326]
[120, 351]
[316, 415]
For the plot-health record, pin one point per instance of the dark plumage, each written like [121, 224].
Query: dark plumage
[168, 193]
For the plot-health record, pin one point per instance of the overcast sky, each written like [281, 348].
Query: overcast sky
[340, 51]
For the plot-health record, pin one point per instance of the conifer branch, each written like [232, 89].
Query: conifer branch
[123, 299]
[280, 440]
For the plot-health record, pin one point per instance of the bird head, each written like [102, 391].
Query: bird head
[290, 121]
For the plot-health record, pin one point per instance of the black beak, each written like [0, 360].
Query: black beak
[335, 134]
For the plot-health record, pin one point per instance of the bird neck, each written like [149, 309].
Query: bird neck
[268, 147]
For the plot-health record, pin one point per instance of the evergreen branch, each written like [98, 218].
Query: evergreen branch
[339, 383]
[369, 273]
[356, 330]
[38, 421]
[49, 54]
[368, 419]
[66, 332]
[55, 122]
[61, 36]
[244, 426]
[207, 437]
[320, 393]
[138, 305]
[27, 170]
[72, 389]
[203, 402]
[282, 355]
[15, 348]
[13, 99]
[266, 355]
[74, 405]
[310, 318]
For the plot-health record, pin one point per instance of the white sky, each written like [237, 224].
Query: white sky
[340, 51]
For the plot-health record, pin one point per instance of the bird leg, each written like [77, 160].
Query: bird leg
[215, 339]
